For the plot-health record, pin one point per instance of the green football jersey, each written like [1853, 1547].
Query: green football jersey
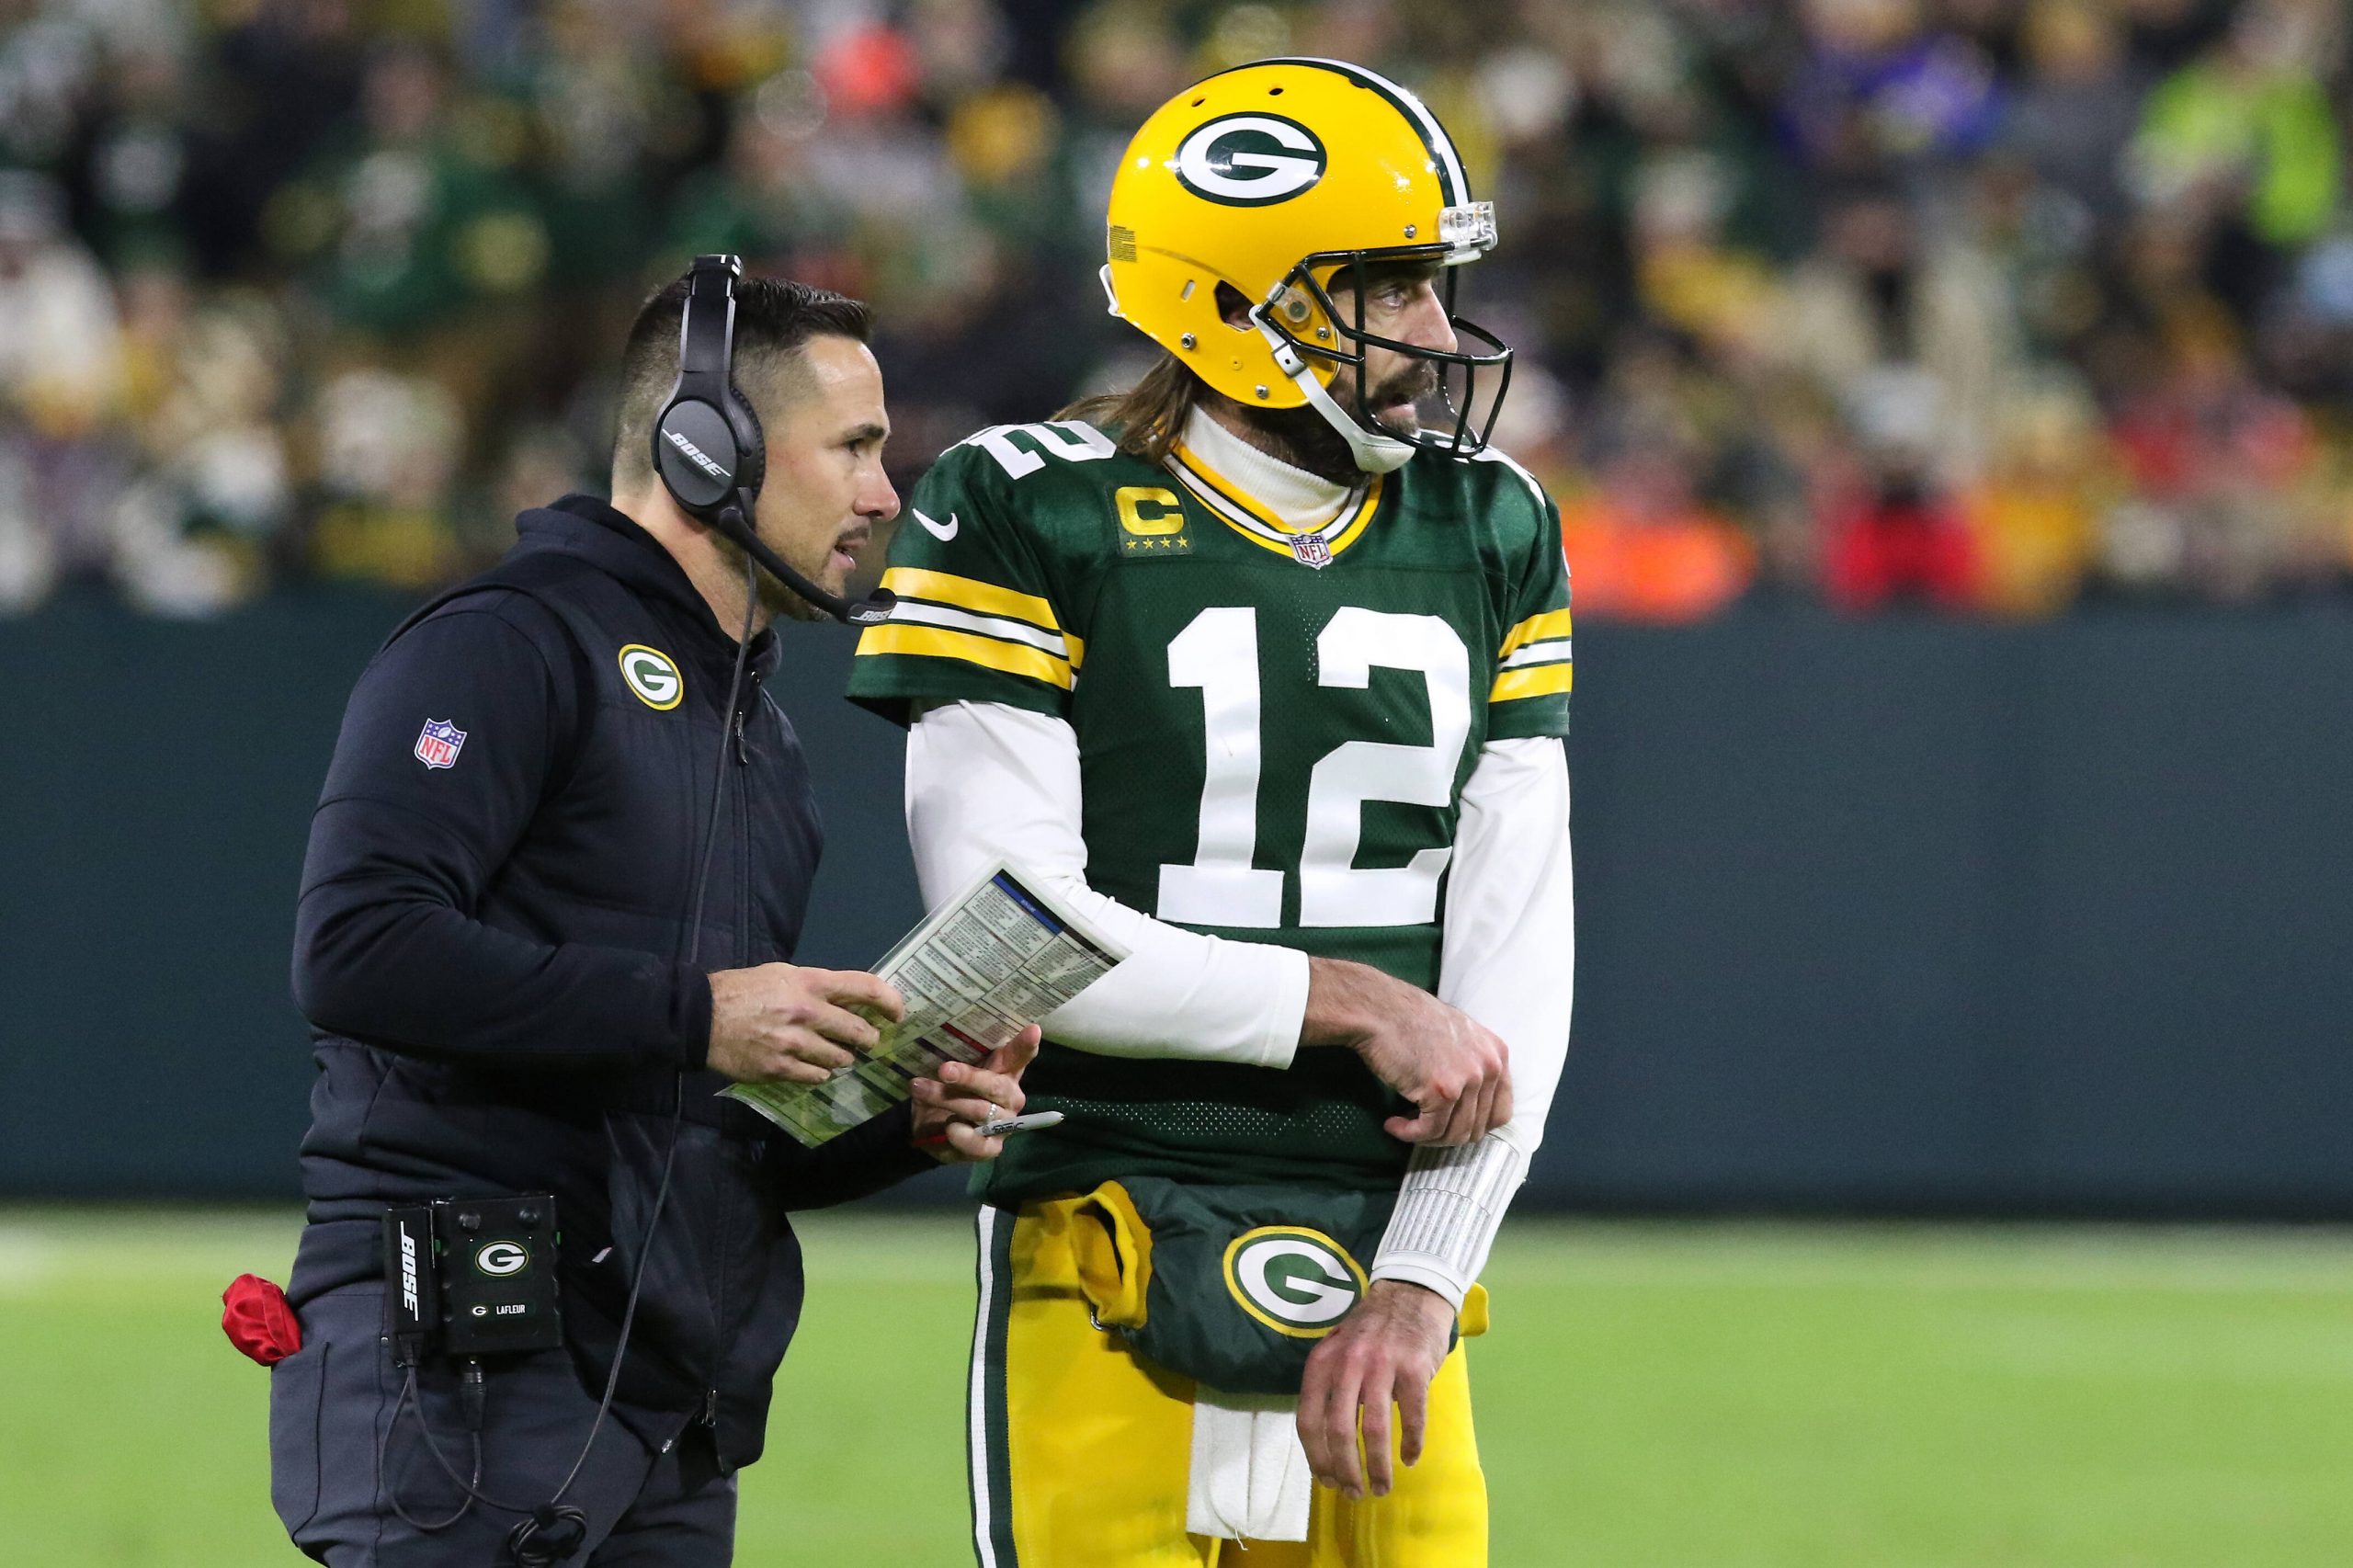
[1273, 729]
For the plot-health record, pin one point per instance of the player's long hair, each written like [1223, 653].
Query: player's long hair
[1148, 418]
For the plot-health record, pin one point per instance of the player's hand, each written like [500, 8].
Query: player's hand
[949, 1109]
[1455, 1070]
[1383, 1354]
[783, 1024]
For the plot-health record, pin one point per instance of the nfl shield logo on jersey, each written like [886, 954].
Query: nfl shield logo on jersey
[1312, 550]
[439, 743]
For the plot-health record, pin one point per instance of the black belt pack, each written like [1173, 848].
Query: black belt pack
[470, 1277]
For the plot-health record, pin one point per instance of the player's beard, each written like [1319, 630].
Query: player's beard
[1305, 439]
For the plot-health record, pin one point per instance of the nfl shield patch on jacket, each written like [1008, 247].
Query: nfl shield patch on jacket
[438, 743]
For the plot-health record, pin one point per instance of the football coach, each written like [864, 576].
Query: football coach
[554, 884]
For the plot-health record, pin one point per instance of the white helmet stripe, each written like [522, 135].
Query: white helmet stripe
[1457, 187]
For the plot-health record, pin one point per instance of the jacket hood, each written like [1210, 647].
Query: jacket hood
[596, 530]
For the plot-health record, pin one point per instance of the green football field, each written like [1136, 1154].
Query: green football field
[1652, 1396]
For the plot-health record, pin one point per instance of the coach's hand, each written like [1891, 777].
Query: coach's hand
[781, 1023]
[1384, 1353]
[1455, 1070]
[948, 1113]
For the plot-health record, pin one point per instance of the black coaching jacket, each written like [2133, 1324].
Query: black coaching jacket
[495, 951]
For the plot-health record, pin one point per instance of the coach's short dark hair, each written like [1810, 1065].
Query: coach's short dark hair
[775, 319]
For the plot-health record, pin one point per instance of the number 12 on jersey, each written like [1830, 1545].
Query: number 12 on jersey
[1218, 652]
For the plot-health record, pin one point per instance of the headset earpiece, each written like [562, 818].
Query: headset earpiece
[707, 443]
[751, 445]
[694, 451]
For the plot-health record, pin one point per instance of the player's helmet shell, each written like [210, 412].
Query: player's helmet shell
[1275, 177]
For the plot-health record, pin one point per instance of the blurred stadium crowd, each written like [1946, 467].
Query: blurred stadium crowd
[1990, 304]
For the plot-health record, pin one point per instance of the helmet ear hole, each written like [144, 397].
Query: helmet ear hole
[1234, 307]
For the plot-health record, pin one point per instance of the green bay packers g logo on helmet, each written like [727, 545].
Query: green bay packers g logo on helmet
[1296, 1281]
[652, 676]
[1250, 160]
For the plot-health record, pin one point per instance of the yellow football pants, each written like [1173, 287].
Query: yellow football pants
[1080, 1450]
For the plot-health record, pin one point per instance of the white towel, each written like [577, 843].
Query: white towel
[1249, 1477]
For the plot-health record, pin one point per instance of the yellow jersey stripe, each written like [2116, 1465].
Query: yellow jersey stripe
[1259, 540]
[937, 642]
[1229, 493]
[1535, 628]
[1537, 680]
[1214, 502]
[1347, 535]
[969, 593]
[1210, 495]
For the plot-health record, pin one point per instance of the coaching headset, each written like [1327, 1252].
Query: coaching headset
[708, 445]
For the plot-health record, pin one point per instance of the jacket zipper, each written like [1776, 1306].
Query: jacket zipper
[709, 1416]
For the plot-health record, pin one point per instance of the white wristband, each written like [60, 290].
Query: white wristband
[1449, 1209]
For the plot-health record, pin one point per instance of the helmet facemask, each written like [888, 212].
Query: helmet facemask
[1457, 413]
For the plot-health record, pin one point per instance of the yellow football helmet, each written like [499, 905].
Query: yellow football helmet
[1275, 177]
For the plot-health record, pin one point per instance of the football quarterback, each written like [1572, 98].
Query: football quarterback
[1264, 665]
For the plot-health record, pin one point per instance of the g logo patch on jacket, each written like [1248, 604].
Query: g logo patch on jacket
[652, 676]
[1297, 1281]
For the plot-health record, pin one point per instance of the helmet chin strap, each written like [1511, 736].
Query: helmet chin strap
[1374, 454]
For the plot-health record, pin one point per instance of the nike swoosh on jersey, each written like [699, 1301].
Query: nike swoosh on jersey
[943, 532]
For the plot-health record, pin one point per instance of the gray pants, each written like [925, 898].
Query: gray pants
[332, 1401]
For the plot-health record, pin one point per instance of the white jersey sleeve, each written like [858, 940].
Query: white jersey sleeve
[987, 781]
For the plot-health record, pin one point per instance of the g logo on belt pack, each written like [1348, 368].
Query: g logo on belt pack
[652, 676]
[1296, 1281]
[500, 1258]
[1250, 160]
